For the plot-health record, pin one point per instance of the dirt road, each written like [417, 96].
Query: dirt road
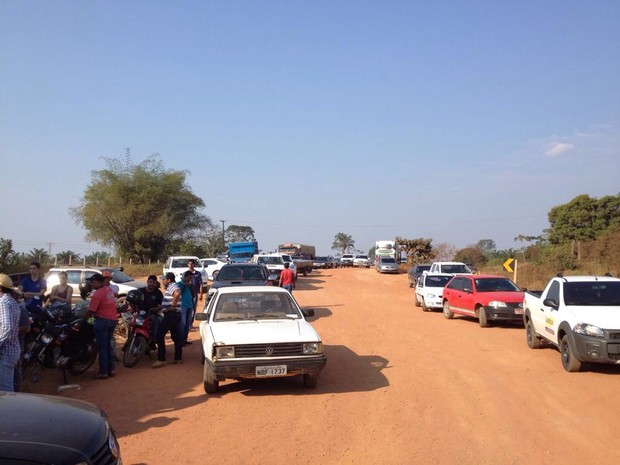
[400, 387]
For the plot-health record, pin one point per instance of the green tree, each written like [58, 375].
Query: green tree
[472, 256]
[582, 219]
[236, 233]
[38, 255]
[98, 258]
[487, 247]
[68, 257]
[140, 209]
[10, 260]
[417, 250]
[343, 243]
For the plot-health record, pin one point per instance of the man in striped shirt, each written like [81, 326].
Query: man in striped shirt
[171, 320]
[9, 334]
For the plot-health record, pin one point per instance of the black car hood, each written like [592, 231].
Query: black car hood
[50, 423]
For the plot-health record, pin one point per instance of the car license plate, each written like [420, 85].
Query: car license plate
[271, 370]
[518, 311]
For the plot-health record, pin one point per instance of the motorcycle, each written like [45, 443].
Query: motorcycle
[65, 341]
[139, 340]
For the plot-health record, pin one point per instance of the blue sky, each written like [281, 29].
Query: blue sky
[456, 121]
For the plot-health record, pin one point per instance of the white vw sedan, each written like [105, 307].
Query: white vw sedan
[258, 332]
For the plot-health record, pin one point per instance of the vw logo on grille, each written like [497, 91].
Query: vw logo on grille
[269, 351]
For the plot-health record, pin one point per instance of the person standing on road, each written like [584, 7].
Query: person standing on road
[169, 322]
[103, 307]
[197, 284]
[9, 334]
[34, 288]
[287, 278]
[24, 328]
[187, 305]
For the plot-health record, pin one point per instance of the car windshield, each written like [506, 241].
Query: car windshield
[269, 260]
[592, 293]
[387, 260]
[495, 285]
[229, 273]
[241, 255]
[421, 269]
[437, 281]
[365, 257]
[255, 306]
[182, 262]
[455, 269]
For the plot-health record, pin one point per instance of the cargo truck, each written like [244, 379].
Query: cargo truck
[239, 252]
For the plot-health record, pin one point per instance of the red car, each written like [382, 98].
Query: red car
[485, 297]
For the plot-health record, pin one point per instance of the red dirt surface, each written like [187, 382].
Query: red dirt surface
[400, 387]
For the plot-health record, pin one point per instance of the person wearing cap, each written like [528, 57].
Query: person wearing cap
[107, 275]
[9, 334]
[170, 322]
[102, 306]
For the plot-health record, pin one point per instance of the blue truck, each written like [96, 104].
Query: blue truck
[239, 252]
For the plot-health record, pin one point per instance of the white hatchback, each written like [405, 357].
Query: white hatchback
[252, 332]
[429, 290]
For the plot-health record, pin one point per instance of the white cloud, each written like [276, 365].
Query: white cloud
[558, 148]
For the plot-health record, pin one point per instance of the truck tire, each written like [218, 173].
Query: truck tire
[533, 341]
[211, 384]
[305, 272]
[482, 317]
[447, 313]
[569, 362]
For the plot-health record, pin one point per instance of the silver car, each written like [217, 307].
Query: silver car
[387, 265]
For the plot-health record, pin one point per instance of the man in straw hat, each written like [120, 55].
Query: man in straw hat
[9, 334]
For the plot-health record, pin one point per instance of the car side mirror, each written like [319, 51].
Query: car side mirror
[201, 316]
[551, 303]
[308, 313]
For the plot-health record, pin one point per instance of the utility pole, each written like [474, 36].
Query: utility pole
[223, 238]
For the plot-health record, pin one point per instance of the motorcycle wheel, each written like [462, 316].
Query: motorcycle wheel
[84, 357]
[134, 351]
[121, 332]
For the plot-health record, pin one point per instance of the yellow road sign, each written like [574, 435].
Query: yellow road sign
[507, 264]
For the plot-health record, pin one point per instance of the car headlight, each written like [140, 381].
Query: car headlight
[225, 352]
[589, 330]
[310, 348]
[497, 304]
[432, 296]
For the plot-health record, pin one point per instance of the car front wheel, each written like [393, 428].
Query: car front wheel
[447, 313]
[482, 317]
[211, 384]
[569, 362]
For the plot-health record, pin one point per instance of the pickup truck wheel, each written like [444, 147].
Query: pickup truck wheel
[415, 300]
[211, 384]
[310, 381]
[569, 362]
[533, 341]
[482, 317]
[447, 313]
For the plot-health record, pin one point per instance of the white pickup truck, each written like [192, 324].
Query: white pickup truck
[578, 314]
